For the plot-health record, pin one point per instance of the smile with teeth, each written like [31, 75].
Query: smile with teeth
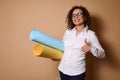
[77, 20]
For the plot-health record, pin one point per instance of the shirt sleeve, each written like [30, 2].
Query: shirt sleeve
[96, 49]
[65, 35]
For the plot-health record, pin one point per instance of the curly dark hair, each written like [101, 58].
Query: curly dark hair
[70, 24]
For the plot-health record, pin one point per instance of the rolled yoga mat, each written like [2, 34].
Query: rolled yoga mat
[47, 52]
[47, 40]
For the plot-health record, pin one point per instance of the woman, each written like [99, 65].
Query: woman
[78, 40]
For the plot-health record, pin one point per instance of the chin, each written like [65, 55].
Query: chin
[78, 24]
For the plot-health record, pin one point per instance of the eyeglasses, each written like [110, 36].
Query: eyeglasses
[77, 15]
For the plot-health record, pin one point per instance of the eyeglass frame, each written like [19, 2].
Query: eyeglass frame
[77, 15]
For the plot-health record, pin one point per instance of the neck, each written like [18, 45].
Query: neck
[79, 28]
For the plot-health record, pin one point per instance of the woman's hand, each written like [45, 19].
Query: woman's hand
[87, 47]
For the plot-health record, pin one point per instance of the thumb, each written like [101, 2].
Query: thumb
[86, 41]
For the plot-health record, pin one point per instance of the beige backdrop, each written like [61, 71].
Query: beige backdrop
[19, 17]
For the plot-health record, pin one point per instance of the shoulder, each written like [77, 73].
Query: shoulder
[68, 30]
[91, 35]
[90, 32]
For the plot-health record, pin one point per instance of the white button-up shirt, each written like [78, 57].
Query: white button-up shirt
[73, 60]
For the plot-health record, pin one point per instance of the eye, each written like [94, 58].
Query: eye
[79, 14]
[73, 15]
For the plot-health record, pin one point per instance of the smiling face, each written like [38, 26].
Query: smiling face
[77, 17]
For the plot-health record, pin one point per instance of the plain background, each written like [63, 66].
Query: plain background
[19, 17]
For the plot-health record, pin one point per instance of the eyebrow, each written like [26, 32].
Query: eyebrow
[78, 13]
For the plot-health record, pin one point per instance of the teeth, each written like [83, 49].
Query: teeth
[77, 20]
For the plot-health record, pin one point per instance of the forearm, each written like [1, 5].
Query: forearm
[98, 52]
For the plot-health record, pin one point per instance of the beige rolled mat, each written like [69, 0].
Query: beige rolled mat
[47, 52]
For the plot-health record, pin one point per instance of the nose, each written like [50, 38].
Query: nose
[76, 17]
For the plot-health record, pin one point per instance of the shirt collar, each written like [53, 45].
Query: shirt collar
[85, 29]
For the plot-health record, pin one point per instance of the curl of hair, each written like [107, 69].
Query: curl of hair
[70, 24]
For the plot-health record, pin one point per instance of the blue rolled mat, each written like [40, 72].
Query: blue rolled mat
[47, 40]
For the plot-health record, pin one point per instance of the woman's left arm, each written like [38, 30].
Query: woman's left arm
[96, 48]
